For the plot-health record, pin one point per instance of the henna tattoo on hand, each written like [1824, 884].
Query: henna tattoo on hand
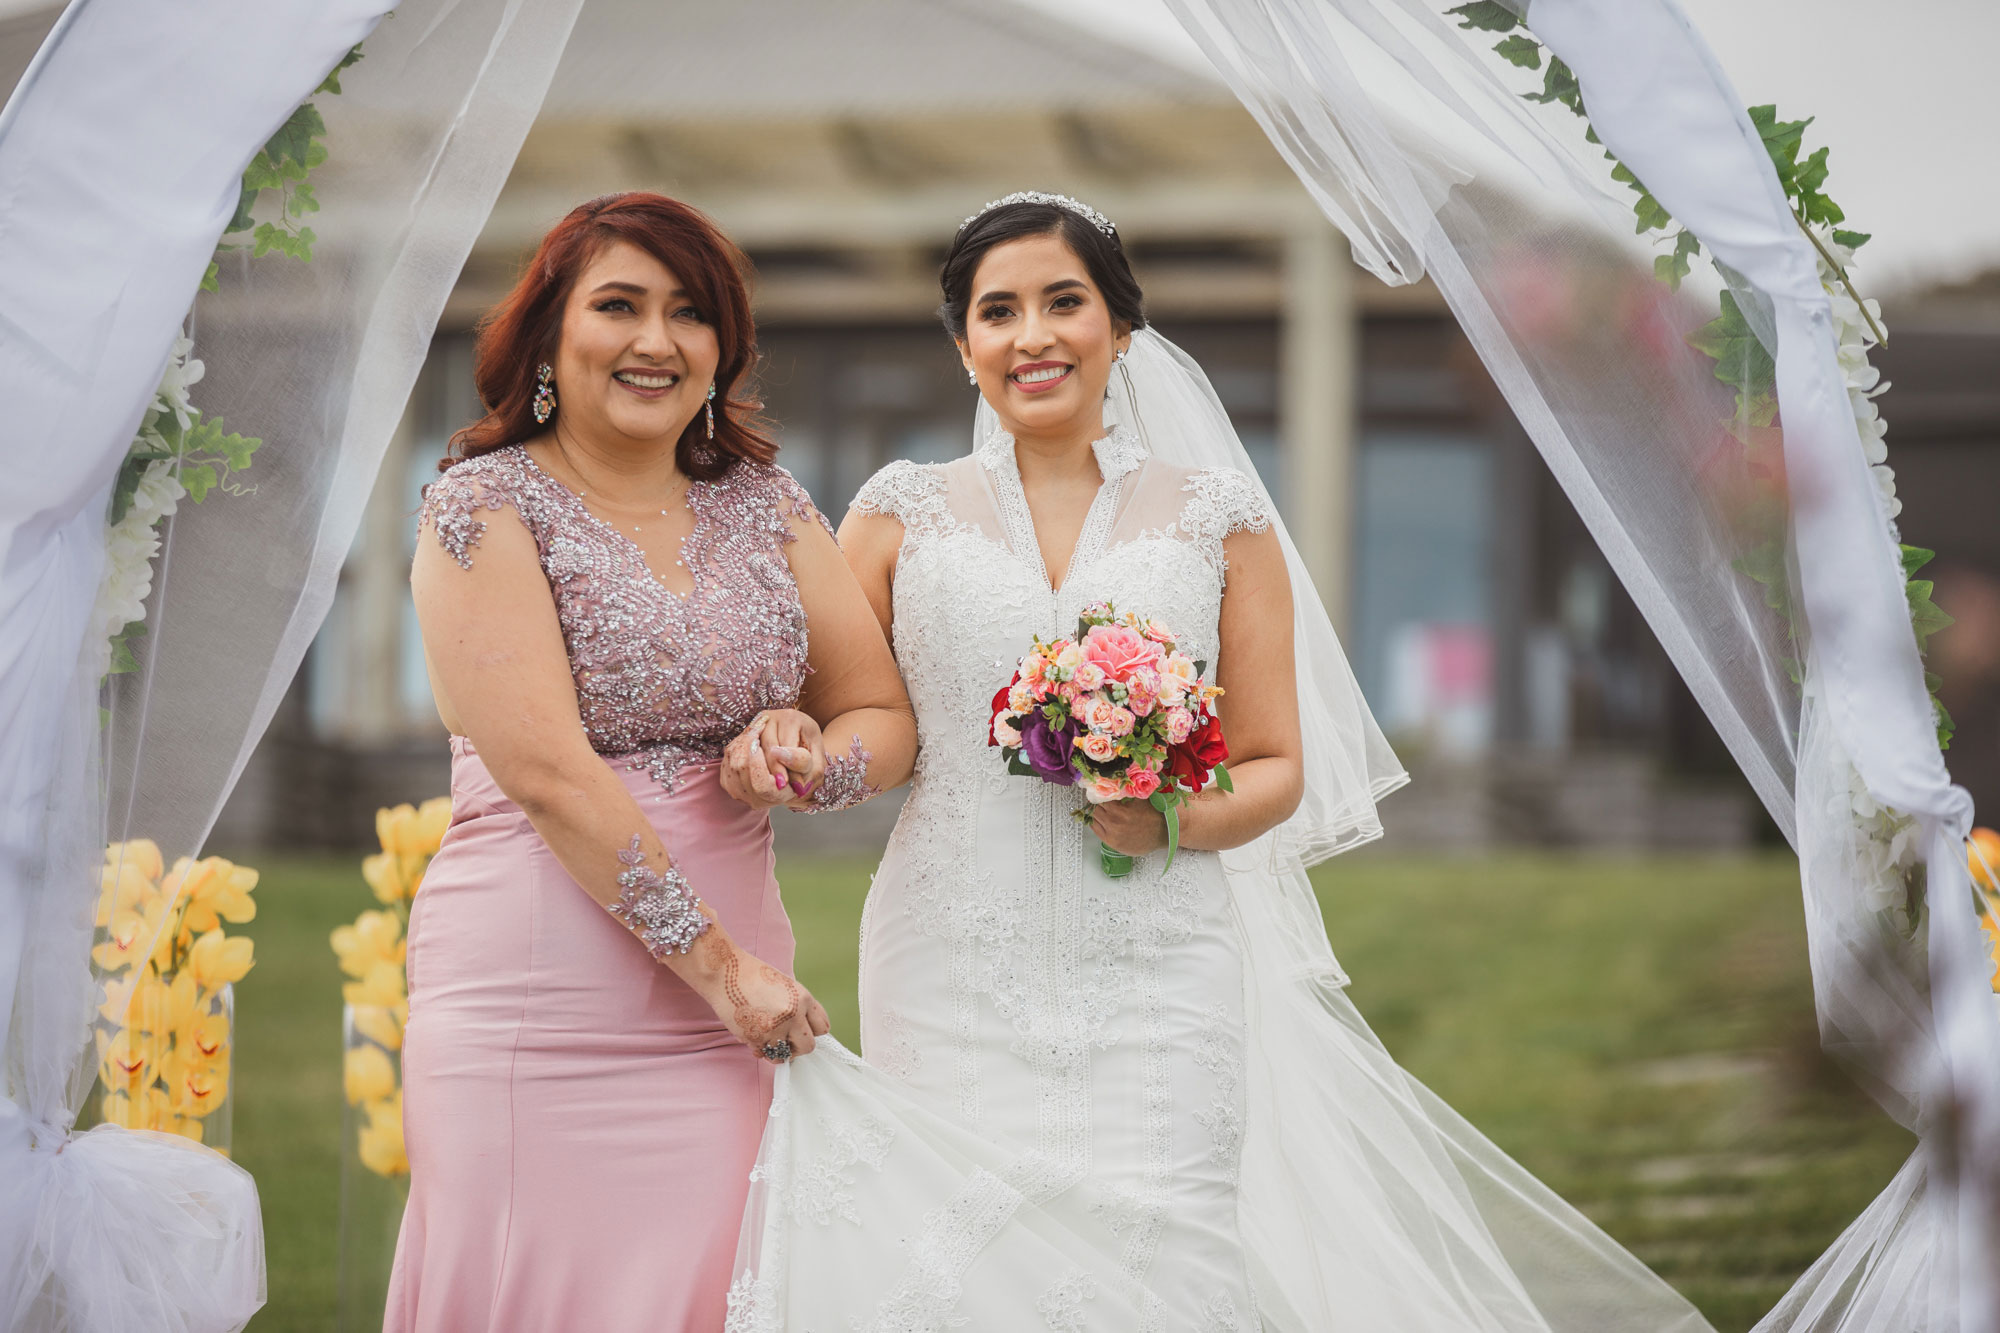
[754, 1024]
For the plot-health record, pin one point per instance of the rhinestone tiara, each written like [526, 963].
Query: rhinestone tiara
[1076, 206]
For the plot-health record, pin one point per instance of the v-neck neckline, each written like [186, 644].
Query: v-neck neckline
[1117, 452]
[611, 529]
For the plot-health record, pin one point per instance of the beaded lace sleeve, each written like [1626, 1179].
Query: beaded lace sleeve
[793, 500]
[657, 905]
[845, 781]
[1222, 501]
[454, 502]
[910, 493]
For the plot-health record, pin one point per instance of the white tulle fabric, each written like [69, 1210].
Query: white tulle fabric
[119, 184]
[1414, 144]
[1050, 1051]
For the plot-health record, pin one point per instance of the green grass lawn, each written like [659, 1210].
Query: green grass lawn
[1638, 1033]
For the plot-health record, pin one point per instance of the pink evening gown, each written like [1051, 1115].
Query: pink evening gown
[580, 1125]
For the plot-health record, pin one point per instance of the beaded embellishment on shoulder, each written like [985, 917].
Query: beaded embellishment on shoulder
[452, 502]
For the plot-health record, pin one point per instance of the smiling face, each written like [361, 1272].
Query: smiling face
[636, 355]
[1041, 339]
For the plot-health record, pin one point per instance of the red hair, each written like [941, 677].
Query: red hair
[521, 332]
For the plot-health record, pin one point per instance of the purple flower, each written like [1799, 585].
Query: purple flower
[1047, 748]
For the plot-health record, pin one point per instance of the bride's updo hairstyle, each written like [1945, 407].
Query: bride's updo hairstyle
[1102, 255]
[521, 332]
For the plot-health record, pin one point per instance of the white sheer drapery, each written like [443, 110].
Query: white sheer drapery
[122, 147]
[1415, 146]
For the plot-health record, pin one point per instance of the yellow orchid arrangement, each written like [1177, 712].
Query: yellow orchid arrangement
[371, 954]
[167, 969]
[1982, 858]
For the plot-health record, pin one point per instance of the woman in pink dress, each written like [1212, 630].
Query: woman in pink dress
[616, 587]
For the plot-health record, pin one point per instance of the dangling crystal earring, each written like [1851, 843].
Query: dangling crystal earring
[972, 377]
[711, 409]
[1119, 359]
[545, 393]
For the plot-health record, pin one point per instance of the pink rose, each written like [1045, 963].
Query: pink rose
[1157, 632]
[1004, 730]
[1102, 789]
[1099, 747]
[1097, 713]
[1141, 783]
[1031, 670]
[1142, 691]
[1088, 676]
[1180, 723]
[1119, 651]
[1120, 721]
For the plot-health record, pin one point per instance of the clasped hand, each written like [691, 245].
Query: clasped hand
[1132, 827]
[777, 760]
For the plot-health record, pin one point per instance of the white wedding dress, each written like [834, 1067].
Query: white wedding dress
[1089, 1028]
[1140, 1103]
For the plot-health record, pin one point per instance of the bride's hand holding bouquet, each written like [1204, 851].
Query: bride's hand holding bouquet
[1119, 711]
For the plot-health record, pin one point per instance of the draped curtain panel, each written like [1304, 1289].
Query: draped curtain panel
[120, 157]
[1406, 131]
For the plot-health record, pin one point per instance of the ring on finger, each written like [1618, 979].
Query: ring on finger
[777, 1052]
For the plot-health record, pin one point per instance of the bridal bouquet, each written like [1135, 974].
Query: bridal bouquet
[1117, 710]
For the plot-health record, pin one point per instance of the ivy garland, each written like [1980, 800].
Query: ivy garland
[178, 451]
[1742, 361]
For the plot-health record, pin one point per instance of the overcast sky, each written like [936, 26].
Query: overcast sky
[1905, 93]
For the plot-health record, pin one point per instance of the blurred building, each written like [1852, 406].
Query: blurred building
[1943, 358]
[1488, 633]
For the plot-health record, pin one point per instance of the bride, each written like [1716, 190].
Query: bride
[1141, 1102]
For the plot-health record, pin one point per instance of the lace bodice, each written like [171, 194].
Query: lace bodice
[662, 679]
[970, 587]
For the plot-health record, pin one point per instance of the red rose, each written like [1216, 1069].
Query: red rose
[1183, 770]
[999, 706]
[1205, 743]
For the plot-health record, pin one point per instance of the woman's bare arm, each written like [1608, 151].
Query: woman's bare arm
[854, 693]
[498, 661]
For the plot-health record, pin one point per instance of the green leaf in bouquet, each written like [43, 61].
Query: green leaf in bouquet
[1168, 804]
[1223, 781]
[1914, 559]
[1853, 240]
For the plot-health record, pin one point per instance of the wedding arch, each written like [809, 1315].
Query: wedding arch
[1739, 490]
